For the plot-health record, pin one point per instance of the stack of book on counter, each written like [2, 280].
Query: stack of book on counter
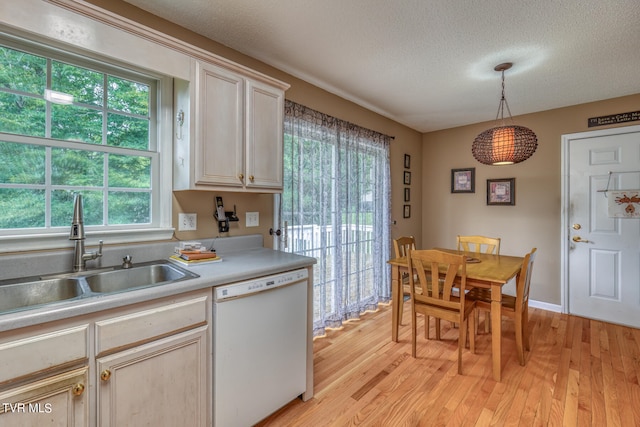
[190, 253]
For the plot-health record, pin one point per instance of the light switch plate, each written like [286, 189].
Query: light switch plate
[187, 222]
[253, 219]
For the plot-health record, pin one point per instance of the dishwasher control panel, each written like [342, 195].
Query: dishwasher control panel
[260, 284]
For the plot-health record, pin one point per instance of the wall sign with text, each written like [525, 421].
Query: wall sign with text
[614, 119]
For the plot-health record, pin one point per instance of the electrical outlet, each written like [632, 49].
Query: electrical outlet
[253, 219]
[187, 222]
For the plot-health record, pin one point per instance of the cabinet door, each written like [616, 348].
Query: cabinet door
[219, 127]
[265, 111]
[60, 400]
[163, 383]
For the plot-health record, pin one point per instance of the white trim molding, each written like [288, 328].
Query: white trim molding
[141, 31]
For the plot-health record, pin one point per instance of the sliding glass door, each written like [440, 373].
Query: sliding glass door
[335, 205]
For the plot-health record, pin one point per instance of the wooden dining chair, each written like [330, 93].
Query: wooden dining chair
[402, 246]
[480, 244]
[516, 307]
[445, 270]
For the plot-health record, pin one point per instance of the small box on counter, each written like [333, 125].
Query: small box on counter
[186, 260]
[190, 245]
[178, 251]
[187, 253]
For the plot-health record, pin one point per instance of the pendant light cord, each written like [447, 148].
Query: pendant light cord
[503, 103]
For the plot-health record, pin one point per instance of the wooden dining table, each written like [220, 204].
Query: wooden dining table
[491, 272]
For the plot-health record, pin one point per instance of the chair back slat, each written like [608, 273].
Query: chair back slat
[478, 244]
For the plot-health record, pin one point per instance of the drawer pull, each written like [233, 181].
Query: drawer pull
[105, 375]
[78, 389]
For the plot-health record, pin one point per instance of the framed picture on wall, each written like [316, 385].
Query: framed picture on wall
[407, 211]
[463, 180]
[407, 194]
[407, 178]
[501, 191]
[407, 161]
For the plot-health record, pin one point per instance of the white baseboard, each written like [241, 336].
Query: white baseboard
[545, 306]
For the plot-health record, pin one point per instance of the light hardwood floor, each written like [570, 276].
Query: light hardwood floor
[580, 372]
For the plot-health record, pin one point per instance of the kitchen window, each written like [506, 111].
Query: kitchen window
[71, 125]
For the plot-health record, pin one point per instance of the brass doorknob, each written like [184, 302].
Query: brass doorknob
[576, 226]
[578, 239]
[251, 178]
[105, 375]
[78, 389]
[241, 176]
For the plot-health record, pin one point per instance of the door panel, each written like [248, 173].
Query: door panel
[604, 252]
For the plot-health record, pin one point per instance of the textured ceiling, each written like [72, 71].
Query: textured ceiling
[429, 63]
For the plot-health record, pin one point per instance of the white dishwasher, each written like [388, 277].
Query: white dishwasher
[259, 347]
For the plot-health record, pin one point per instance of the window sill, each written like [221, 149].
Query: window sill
[36, 242]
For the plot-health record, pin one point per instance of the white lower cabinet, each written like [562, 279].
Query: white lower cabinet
[152, 364]
[59, 400]
[147, 364]
[162, 383]
[44, 375]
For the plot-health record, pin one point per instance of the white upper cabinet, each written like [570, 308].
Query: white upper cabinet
[219, 126]
[236, 141]
[263, 135]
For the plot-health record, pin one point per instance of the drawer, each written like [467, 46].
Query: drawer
[43, 352]
[142, 326]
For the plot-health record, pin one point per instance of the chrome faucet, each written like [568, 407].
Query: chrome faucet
[80, 257]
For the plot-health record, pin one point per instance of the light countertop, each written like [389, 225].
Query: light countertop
[242, 259]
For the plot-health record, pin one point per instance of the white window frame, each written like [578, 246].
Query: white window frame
[15, 240]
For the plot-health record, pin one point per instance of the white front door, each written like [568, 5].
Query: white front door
[603, 252]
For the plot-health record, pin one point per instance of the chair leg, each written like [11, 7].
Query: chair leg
[462, 339]
[525, 327]
[487, 322]
[519, 342]
[476, 316]
[426, 327]
[472, 333]
[401, 307]
[413, 333]
[437, 328]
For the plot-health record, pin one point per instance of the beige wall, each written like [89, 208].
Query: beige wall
[437, 216]
[535, 219]
[407, 141]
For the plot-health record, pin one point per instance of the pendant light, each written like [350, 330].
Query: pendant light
[504, 144]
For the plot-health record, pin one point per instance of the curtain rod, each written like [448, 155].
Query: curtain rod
[345, 121]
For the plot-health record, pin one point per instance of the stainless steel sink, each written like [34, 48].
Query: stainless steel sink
[136, 277]
[22, 294]
[18, 296]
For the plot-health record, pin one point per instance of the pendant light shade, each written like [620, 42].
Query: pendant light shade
[504, 144]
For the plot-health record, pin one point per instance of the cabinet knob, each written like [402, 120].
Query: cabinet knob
[105, 375]
[78, 389]
[241, 176]
[251, 178]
